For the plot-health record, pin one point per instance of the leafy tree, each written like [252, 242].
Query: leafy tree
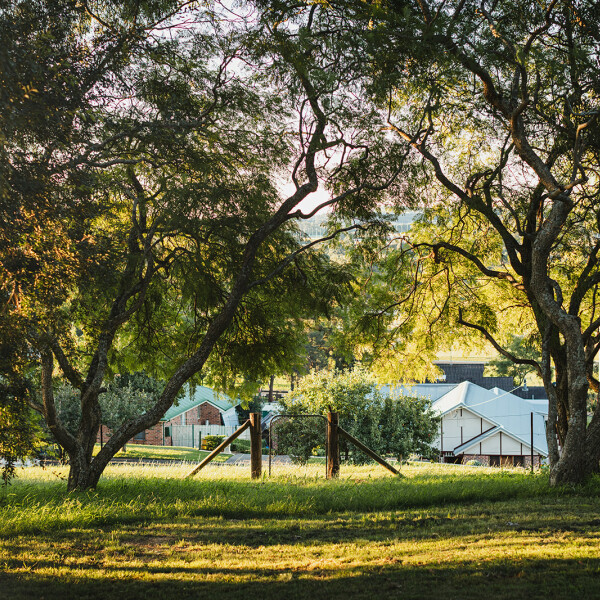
[388, 425]
[498, 103]
[299, 437]
[152, 199]
[504, 367]
[128, 396]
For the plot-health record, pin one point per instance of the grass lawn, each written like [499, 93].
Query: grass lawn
[176, 453]
[438, 532]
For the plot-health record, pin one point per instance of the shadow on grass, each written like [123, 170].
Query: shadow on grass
[413, 526]
[556, 579]
[39, 508]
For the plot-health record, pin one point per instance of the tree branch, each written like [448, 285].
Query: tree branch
[490, 338]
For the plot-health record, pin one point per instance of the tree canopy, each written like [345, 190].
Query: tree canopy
[498, 104]
[147, 224]
[145, 146]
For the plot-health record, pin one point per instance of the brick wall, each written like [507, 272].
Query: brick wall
[154, 436]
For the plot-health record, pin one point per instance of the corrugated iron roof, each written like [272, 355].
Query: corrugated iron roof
[511, 413]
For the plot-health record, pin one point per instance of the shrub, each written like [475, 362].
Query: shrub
[300, 438]
[210, 442]
[241, 446]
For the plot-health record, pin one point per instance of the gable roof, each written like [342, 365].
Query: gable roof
[462, 449]
[200, 396]
[511, 414]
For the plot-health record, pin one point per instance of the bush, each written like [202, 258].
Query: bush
[210, 442]
[300, 438]
[241, 446]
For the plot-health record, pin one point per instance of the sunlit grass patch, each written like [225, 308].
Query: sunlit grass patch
[148, 532]
[176, 453]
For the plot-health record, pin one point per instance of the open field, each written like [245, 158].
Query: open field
[438, 532]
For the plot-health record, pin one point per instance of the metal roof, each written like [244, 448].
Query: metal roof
[509, 412]
[422, 390]
[200, 395]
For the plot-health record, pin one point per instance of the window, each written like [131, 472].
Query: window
[140, 436]
[167, 431]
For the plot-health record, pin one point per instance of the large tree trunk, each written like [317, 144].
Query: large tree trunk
[83, 474]
[570, 396]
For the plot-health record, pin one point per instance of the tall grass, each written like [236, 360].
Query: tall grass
[37, 501]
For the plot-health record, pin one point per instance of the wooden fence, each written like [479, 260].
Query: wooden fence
[334, 431]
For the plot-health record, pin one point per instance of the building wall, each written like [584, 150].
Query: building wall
[460, 426]
[152, 436]
[198, 415]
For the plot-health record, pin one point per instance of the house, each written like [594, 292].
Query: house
[494, 427]
[202, 411]
[455, 372]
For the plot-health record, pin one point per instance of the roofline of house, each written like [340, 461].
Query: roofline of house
[204, 400]
[461, 404]
[492, 431]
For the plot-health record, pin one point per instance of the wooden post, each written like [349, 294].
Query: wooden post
[333, 445]
[532, 442]
[255, 446]
[368, 451]
[219, 448]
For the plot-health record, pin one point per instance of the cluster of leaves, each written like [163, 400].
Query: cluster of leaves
[127, 396]
[210, 442]
[389, 425]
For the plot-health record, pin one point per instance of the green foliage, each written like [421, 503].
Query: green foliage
[19, 431]
[299, 437]
[520, 347]
[244, 409]
[387, 424]
[128, 396]
[407, 426]
[240, 446]
[210, 442]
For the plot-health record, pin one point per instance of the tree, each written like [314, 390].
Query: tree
[527, 179]
[153, 200]
[499, 103]
[396, 425]
[504, 367]
[127, 396]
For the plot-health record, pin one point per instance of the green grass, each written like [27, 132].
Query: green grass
[176, 453]
[437, 532]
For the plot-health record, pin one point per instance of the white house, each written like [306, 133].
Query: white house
[492, 426]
